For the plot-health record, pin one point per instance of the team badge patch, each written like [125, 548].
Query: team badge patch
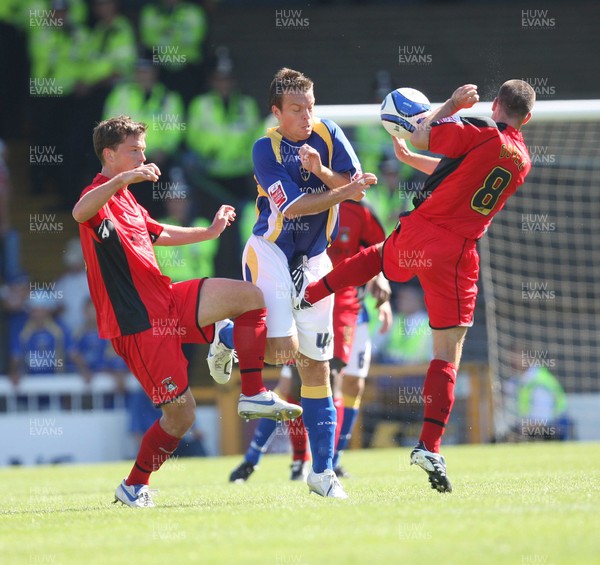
[277, 193]
[169, 384]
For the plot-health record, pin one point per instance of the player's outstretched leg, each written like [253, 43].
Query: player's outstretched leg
[243, 302]
[354, 271]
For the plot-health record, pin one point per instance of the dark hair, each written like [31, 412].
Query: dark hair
[287, 81]
[112, 132]
[516, 98]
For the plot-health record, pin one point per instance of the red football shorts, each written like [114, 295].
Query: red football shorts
[155, 356]
[345, 314]
[446, 264]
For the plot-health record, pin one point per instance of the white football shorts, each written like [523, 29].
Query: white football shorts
[359, 361]
[265, 265]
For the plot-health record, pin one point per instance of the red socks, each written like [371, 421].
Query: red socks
[354, 271]
[298, 437]
[439, 398]
[250, 338]
[157, 446]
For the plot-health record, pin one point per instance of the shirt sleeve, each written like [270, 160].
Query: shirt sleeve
[344, 159]
[455, 135]
[273, 177]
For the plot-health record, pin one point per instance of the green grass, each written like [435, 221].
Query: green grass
[519, 504]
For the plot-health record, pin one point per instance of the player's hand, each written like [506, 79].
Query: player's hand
[310, 158]
[465, 96]
[142, 173]
[401, 150]
[223, 218]
[358, 186]
[386, 317]
[381, 290]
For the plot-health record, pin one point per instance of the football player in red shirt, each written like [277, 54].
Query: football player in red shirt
[485, 161]
[147, 318]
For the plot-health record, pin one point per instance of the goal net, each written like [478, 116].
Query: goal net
[540, 261]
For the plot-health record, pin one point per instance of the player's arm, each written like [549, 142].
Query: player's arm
[316, 203]
[178, 235]
[311, 161]
[423, 163]
[463, 97]
[92, 201]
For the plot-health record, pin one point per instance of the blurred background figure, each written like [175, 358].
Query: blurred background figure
[108, 56]
[185, 262]
[9, 237]
[58, 66]
[410, 341]
[539, 401]
[222, 125]
[91, 354]
[73, 288]
[146, 99]
[42, 344]
[14, 298]
[173, 32]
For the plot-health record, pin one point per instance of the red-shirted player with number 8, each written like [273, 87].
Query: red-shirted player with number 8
[147, 318]
[484, 162]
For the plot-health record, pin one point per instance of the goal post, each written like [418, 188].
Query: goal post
[540, 261]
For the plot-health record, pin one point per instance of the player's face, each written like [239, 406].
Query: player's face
[296, 115]
[128, 155]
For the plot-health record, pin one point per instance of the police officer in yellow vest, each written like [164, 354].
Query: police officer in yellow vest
[410, 341]
[55, 45]
[173, 32]
[222, 127]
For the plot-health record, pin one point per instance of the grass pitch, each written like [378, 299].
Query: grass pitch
[521, 504]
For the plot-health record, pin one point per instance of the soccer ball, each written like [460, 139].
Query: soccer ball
[402, 110]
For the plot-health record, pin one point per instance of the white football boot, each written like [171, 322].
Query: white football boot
[325, 484]
[220, 358]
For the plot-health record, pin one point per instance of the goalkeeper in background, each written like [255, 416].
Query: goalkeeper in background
[484, 162]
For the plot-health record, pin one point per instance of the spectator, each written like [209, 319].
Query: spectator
[9, 238]
[541, 402]
[55, 52]
[147, 100]
[108, 56]
[72, 287]
[222, 126]
[174, 31]
[410, 341]
[42, 343]
[184, 262]
[91, 354]
[14, 296]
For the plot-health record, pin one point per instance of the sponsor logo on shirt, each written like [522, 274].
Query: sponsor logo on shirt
[277, 193]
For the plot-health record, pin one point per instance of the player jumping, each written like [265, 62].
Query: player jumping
[485, 161]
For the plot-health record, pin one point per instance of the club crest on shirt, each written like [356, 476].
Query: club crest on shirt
[304, 174]
[277, 193]
[169, 384]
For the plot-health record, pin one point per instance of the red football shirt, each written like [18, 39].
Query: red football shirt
[126, 285]
[483, 165]
[358, 228]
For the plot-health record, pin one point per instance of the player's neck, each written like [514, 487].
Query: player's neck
[289, 136]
